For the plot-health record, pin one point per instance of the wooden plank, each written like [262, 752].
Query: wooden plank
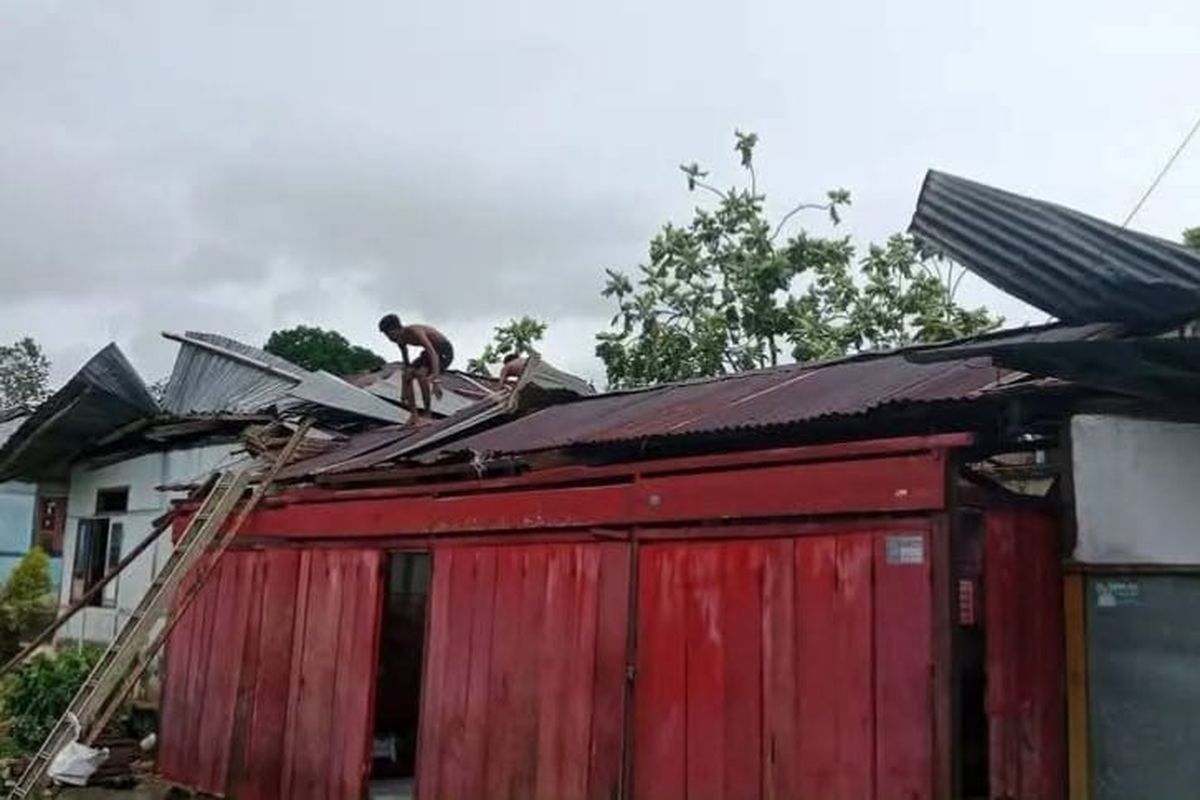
[437, 647]
[295, 684]
[507, 648]
[817, 667]
[478, 715]
[281, 603]
[659, 710]
[1044, 701]
[853, 687]
[198, 675]
[608, 698]
[224, 666]
[579, 688]
[1078, 747]
[904, 730]
[522, 770]
[453, 764]
[896, 484]
[705, 621]
[240, 737]
[781, 712]
[741, 593]
[353, 713]
[942, 621]
[553, 661]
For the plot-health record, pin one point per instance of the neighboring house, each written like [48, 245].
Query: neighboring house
[108, 459]
[17, 501]
[833, 580]
[111, 509]
[20, 515]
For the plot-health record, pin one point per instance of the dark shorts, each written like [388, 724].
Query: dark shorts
[445, 356]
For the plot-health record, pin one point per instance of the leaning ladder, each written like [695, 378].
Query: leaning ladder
[131, 652]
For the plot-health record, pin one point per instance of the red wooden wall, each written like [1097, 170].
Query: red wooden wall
[269, 676]
[525, 674]
[1026, 693]
[782, 669]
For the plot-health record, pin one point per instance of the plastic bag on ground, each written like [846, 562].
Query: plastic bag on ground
[75, 763]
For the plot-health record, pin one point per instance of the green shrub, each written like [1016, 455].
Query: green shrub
[26, 602]
[39, 692]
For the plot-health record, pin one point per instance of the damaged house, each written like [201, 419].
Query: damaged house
[103, 460]
[943, 571]
[936, 572]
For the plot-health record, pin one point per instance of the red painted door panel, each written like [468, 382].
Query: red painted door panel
[525, 673]
[1026, 696]
[788, 668]
[269, 676]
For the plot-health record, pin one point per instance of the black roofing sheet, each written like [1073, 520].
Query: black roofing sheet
[1076, 267]
[105, 395]
[1161, 369]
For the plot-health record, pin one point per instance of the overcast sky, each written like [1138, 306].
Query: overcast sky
[241, 166]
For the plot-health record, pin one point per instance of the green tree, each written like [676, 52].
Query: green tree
[515, 336]
[26, 602]
[24, 374]
[1191, 238]
[316, 349]
[734, 291]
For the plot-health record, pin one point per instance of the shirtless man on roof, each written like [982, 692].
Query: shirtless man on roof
[426, 370]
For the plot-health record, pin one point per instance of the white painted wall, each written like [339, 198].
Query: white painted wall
[1137, 490]
[141, 475]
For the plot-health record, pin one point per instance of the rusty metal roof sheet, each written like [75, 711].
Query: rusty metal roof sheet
[762, 399]
[1076, 267]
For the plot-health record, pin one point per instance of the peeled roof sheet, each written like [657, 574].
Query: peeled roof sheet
[214, 373]
[106, 394]
[1076, 267]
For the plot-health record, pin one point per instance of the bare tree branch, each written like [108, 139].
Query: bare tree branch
[795, 211]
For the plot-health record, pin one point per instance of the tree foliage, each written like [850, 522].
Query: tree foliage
[1191, 238]
[26, 602]
[515, 336]
[24, 374]
[733, 291]
[317, 349]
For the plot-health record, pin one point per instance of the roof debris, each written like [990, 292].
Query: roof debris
[1076, 267]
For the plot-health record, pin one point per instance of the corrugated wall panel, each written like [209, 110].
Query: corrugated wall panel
[269, 676]
[523, 641]
[759, 674]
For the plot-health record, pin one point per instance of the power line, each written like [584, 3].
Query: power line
[1166, 168]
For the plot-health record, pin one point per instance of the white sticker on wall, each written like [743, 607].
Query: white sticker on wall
[1119, 592]
[905, 549]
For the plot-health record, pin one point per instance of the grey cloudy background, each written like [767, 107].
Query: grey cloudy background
[242, 166]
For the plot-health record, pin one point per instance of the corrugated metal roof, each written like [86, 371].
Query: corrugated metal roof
[1076, 267]
[214, 373]
[105, 395]
[762, 399]
[10, 420]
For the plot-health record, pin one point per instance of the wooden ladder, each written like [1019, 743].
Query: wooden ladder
[131, 653]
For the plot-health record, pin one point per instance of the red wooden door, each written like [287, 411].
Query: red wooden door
[269, 677]
[788, 668]
[525, 673]
[1026, 691]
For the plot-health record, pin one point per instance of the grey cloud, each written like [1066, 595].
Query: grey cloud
[240, 166]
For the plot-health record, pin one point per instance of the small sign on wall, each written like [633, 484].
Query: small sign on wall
[1117, 592]
[905, 549]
